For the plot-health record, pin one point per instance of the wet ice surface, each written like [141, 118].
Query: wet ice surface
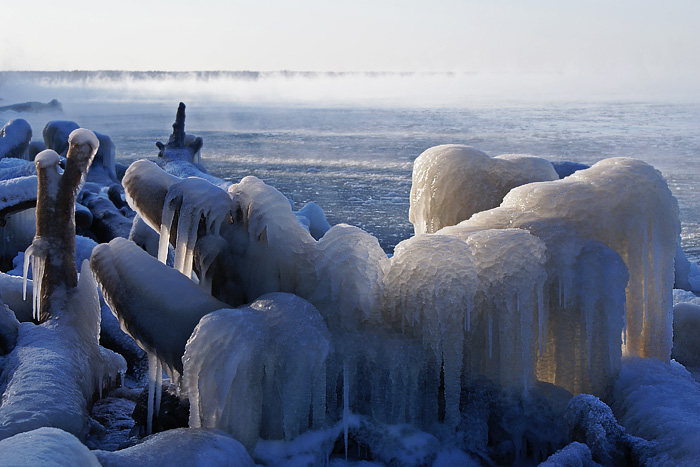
[356, 162]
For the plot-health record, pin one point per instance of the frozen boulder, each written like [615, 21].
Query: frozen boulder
[258, 371]
[56, 133]
[15, 136]
[451, 182]
[47, 447]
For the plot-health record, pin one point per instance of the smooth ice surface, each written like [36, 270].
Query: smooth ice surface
[160, 319]
[660, 402]
[258, 371]
[686, 334]
[50, 447]
[181, 446]
[451, 182]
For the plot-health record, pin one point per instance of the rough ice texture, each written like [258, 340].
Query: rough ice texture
[625, 204]
[17, 191]
[46, 447]
[160, 319]
[573, 455]
[66, 345]
[181, 446]
[451, 182]
[660, 402]
[258, 371]
[686, 334]
[474, 304]
[14, 168]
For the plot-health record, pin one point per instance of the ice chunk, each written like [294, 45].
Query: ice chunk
[255, 371]
[14, 139]
[451, 182]
[686, 334]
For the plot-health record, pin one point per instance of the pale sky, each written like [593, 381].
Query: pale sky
[640, 37]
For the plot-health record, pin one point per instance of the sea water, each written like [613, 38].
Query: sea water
[352, 152]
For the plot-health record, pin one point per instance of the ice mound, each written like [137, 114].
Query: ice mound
[660, 402]
[14, 139]
[181, 446]
[46, 447]
[625, 204]
[451, 182]
[258, 371]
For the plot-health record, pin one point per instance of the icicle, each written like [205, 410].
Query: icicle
[490, 336]
[159, 385]
[346, 406]
[152, 369]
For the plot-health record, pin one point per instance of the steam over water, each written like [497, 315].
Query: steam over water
[348, 141]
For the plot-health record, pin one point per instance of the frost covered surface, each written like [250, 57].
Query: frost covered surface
[66, 345]
[660, 402]
[46, 447]
[573, 455]
[182, 446]
[16, 191]
[451, 182]
[258, 371]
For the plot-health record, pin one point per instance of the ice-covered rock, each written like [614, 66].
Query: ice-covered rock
[33, 106]
[572, 455]
[182, 446]
[14, 168]
[451, 182]
[314, 219]
[687, 273]
[15, 136]
[686, 334]
[46, 447]
[56, 134]
[660, 402]
[258, 371]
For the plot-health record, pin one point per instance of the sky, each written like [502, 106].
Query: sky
[622, 41]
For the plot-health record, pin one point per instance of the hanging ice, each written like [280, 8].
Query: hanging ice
[258, 370]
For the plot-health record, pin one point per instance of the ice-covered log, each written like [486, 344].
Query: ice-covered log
[451, 182]
[181, 155]
[15, 136]
[146, 185]
[625, 204]
[258, 371]
[159, 318]
[53, 248]
[182, 446]
[46, 446]
[108, 222]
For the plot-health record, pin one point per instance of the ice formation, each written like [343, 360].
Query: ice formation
[258, 370]
[14, 139]
[626, 205]
[660, 402]
[474, 304]
[451, 182]
[56, 134]
[46, 446]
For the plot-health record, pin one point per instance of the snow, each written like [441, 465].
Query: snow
[660, 402]
[451, 182]
[573, 455]
[258, 371]
[46, 447]
[47, 158]
[17, 190]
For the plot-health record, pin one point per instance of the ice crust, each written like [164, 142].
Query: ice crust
[258, 371]
[451, 182]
